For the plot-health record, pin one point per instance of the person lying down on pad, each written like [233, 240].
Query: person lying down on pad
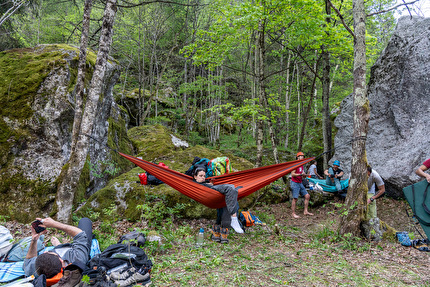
[51, 263]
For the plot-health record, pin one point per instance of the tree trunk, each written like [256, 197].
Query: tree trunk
[356, 199]
[307, 112]
[326, 123]
[261, 90]
[73, 169]
[80, 78]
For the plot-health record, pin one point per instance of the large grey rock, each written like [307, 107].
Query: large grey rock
[38, 131]
[399, 93]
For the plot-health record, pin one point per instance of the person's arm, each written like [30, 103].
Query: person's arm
[294, 173]
[32, 250]
[340, 174]
[421, 172]
[326, 173]
[316, 173]
[68, 229]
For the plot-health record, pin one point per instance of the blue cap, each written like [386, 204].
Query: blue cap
[202, 230]
[336, 162]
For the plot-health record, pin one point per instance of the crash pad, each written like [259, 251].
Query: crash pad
[329, 188]
[418, 198]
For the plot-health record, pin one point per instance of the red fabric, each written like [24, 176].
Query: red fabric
[251, 180]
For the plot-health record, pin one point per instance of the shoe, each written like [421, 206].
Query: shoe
[235, 225]
[70, 278]
[134, 279]
[216, 235]
[224, 235]
[122, 275]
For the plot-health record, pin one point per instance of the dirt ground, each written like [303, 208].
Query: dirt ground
[286, 252]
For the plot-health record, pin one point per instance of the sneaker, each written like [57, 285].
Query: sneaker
[70, 278]
[235, 225]
[122, 275]
[224, 235]
[134, 280]
[216, 235]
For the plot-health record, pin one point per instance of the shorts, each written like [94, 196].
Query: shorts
[298, 189]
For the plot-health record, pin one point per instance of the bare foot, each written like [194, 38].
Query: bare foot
[55, 241]
[308, 213]
[295, 215]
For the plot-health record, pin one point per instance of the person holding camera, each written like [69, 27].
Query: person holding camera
[52, 263]
[333, 175]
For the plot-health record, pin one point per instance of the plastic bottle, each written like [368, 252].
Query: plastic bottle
[200, 238]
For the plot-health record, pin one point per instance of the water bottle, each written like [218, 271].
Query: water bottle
[200, 238]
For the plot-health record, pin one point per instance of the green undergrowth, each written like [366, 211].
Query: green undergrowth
[278, 254]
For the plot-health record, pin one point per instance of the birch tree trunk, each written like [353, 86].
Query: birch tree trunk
[80, 78]
[73, 169]
[356, 199]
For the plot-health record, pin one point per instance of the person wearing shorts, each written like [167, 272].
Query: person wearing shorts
[298, 189]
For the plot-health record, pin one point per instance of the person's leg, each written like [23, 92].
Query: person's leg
[328, 181]
[306, 212]
[293, 208]
[295, 190]
[337, 183]
[86, 225]
[307, 197]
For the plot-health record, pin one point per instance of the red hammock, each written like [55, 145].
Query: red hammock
[251, 180]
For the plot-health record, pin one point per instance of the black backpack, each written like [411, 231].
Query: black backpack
[112, 257]
[118, 254]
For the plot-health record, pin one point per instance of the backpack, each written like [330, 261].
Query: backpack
[246, 218]
[219, 166]
[20, 249]
[134, 238]
[201, 163]
[147, 178]
[6, 242]
[118, 254]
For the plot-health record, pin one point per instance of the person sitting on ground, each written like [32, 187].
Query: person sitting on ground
[373, 178]
[230, 192]
[298, 188]
[334, 174]
[52, 262]
[312, 171]
[421, 170]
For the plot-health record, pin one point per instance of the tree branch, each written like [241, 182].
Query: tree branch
[393, 8]
[341, 18]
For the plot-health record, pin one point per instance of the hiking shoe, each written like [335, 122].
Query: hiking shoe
[235, 225]
[216, 233]
[224, 235]
[122, 275]
[134, 280]
[70, 278]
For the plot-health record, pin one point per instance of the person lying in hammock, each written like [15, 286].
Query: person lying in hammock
[229, 213]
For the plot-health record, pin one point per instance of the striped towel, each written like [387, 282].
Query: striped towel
[10, 271]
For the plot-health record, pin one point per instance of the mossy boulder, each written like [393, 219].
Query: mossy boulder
[154, 143]
[37, 100]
